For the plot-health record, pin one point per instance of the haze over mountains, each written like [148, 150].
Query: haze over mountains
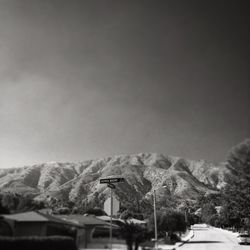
[186, 179]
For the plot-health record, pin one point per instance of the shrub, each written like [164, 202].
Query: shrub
[37, 243]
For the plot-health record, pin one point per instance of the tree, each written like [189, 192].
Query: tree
[20, 203]
[62, 210]
[10, 201]
[214, 220]
[96, 211]
[212, 198]
[236, 194]
[169, 221]
[133, 234]
[3, 210]
[146, 207]
[208, 212]
[239, 159]
[126, 214]
[236, 202]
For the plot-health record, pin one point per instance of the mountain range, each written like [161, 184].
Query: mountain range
[143, 173]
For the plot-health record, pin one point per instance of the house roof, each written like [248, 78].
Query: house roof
[106, 218]
[35, 216]
[28, 216]
[83, 220]
[56, 219]
[136, 221]
[131, 220]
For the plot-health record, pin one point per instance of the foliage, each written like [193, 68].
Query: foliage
[236, 194]
[213, 198]
[236, 202]
[173, 221]
[168, 220]
[97, 211]
[215, 220]
[62, 210]
[145, 209]
[3, 210]
[10, 201]
[234, 198]
[96, 201]
[239, 159]
[168, 201]
[126, 214]
[38, 243]
[80, 206]
[19, 203]
[188, 207]
[208, 212]
[133, 234]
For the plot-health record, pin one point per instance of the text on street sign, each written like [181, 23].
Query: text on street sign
[111, 180]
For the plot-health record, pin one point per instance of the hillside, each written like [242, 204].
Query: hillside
[144, 172]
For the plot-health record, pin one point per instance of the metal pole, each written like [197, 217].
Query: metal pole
[155, 220]
[111, 215]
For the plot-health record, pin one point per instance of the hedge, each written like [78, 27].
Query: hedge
[37, 243]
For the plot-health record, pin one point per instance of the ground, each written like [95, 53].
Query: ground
[210, 238]
[202, 237]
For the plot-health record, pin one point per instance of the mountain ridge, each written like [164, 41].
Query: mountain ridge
[143, 172]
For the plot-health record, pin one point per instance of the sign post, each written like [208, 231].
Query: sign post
[109, 182]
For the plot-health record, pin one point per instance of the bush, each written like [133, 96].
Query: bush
[96, 211]
[168, 221]
[37, 243]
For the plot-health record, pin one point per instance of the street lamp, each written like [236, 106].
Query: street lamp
[155, 219]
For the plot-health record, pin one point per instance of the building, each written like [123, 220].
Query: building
[90, 223]
[37, 224]
[86, 230]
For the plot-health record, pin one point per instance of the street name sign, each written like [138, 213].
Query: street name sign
[110, 185]
[111, 180]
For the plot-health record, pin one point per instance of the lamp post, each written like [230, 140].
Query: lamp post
[155, 217]
[155, 220]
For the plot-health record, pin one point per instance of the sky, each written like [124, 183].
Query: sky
[87, 79]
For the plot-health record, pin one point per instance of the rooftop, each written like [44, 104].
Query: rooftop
[83, 220]
[35, 216]
[27, 216]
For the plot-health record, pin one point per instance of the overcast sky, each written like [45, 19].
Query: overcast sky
[87, 79]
